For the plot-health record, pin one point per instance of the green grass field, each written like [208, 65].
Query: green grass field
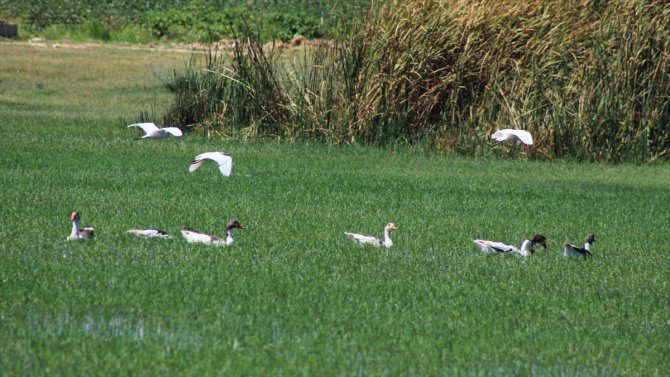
[294, 296]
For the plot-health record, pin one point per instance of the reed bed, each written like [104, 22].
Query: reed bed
[294, 296]
[589, 79]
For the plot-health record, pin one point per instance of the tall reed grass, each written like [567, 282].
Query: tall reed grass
[590, 79]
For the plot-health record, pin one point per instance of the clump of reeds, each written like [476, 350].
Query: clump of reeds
[590, 79]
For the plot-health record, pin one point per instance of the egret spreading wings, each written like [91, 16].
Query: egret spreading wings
[509, 134]
[225, 161]
[153, 132]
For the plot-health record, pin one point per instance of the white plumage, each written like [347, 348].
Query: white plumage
[153, 132]
[210, 239]
[509, 134]
[78, 233]
[576, 251]
[225, 162]
[149, 233]
[495, 247]
[371, 240]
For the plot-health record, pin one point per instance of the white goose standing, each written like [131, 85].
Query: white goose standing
[576, 251]
[510, 134]
[224, 160]
[78, 233]
[371, 240]
[527, 246]
[152, 131]
[210, 239]
[149, 233]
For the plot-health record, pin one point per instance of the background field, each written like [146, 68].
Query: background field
[178, 20]
[293, 296]
[587, 78]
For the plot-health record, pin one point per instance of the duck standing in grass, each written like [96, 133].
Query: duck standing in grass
[149, 233]
[78, 233]
[576, 251]
[527, 246]
[210, 239]
[371, 240]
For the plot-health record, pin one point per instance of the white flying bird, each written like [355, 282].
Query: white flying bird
[572, 250]
[495, 247]
[153, 132]
[210, 239]
[371, 240]
[77, 233]
[224, 160]
[509, 134]
[149, 233]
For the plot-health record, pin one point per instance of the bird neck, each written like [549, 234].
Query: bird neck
[526, 246]
[75, 229]
[587, 246]
[229, 237]
[387, 238]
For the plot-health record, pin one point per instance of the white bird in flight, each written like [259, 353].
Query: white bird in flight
[509, 134]
[153, 132]
[225, 162]
[371, 240]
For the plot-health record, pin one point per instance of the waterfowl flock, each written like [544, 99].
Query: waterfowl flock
[225, 165]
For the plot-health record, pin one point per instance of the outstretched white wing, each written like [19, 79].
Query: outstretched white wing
[173, 130]
[524, 136]
[508, 134]
[146, 127]
[224, 160]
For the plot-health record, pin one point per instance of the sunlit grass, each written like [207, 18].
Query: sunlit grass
[294, 296]
[84, 82]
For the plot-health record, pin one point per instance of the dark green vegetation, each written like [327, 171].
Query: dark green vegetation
[294, 296]
[589, 79]
[179, 20]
